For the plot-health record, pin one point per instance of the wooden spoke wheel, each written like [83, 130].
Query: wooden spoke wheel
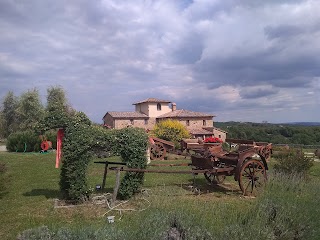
[157, 151]
[252, 177]
[214, 179]
[265, 152]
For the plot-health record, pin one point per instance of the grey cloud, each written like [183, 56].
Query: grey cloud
[259, 68]
[190, 50]
[283, 31]
[257, 93]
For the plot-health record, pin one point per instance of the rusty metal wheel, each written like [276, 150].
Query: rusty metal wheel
[252, 177]
[157, 151]
[214, 179]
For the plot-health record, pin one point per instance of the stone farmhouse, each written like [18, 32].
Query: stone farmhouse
[150, 111]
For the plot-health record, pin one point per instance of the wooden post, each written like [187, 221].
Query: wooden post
[104, 175]
[116, 188]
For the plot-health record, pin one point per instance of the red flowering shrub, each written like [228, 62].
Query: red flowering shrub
[212, 140]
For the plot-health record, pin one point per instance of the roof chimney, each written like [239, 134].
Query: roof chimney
[173, 106]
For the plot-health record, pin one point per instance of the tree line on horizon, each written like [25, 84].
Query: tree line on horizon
[274, 133]
[26, 112]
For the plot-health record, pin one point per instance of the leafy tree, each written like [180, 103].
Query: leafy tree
[171, 130]
[9, 114]
[30, 110]
[57, 109]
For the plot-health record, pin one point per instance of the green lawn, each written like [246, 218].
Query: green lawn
[222, 212]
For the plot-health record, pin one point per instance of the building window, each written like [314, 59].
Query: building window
[204, 123]
[159, 107]
[132, 121]
[146, 122]
[188, 123]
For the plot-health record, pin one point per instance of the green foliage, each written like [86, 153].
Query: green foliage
[23, 141]
[275, 133]
[9, 114]
[132, 145]
[30, 110]
[82, 140]
[171, 130]
[57, 110]
[293, 161]
[76, 145]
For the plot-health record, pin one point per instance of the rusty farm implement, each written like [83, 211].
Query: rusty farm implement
[247, 163]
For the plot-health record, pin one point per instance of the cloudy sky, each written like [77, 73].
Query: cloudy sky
[242, 60]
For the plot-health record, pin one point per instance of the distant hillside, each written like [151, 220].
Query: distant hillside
[303, 123]
[280, 133]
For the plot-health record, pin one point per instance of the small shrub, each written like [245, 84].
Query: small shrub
[293, 161]
[24, 141]
[171, 130]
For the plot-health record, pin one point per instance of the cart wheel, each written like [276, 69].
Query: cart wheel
[252, 177]
[212, 179]
[158, 151]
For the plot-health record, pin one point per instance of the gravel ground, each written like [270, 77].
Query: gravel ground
[3, 148]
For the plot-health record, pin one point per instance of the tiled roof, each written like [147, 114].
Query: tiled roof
[219, 129]
[199, 131]
[184, 113]
[152, 100]
[127, 115]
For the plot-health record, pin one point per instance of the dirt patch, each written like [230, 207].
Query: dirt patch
[3, 149]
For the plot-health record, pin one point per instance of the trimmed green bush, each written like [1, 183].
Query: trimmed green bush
[131, 145]
[82, 140]
[24, 141]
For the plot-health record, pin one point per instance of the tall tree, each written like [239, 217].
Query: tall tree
[30, 110]
[57, 109]
[9, 114]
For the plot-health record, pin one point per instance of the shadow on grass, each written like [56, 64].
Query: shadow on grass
[203, 187]
[48, 193]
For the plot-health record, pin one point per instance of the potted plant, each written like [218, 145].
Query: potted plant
[213, 144]
[212, 140]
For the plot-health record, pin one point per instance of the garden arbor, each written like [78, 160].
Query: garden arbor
[81, 141]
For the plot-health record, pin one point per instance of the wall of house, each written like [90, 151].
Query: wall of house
[196, 122]
[220, 134]
[108, 120]
[142, 108]
[141, 123]
[150, 109]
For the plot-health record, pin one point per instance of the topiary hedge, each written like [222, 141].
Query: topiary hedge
[131, 144]
[82, 140]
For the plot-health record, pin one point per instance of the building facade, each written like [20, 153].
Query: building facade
[150, 111]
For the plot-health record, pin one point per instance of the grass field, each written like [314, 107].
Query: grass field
[288, 208]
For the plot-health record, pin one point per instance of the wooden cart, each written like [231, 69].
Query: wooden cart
[159, 148]
[248, 164]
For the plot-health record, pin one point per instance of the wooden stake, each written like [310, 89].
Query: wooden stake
[116, 188]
